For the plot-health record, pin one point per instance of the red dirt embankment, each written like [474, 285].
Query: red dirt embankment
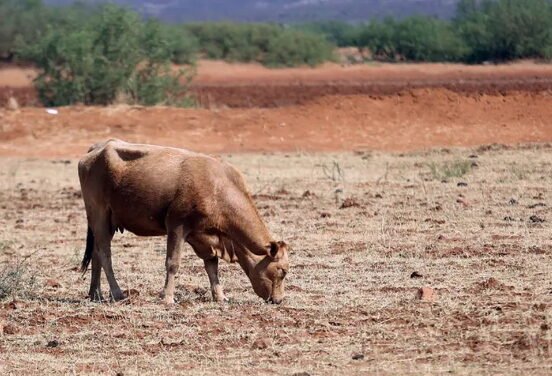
[409, 120]
[219, 84]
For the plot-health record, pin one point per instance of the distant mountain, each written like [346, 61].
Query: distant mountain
[281, 10]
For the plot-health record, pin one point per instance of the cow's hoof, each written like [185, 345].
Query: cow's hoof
[168, 300]
[221, 299]
[96, 299]
[119, 297]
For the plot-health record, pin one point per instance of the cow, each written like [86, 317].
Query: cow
[190, 197]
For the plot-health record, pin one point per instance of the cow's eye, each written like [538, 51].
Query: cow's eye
[283, 273]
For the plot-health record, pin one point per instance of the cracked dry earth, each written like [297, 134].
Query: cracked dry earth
[474, 224]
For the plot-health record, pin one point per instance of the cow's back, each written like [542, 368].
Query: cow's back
[136, 182]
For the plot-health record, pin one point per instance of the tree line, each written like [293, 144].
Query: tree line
[104, 54]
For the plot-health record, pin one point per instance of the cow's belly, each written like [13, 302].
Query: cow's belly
[139, 218]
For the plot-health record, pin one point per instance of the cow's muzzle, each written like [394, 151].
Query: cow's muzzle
[272, 300]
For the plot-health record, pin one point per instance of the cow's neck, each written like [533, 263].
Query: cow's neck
[247, 260]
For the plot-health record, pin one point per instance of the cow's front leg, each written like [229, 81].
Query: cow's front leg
[172, 263]
[211, 267]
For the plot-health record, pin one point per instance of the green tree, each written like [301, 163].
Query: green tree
[506, 29]
[21, 21]
[292, 48]
[427, 39]
[111, 55]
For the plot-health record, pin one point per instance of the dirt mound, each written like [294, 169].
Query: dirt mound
[409, 120]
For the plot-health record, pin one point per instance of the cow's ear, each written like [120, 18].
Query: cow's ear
[276, 249]
[273, 249]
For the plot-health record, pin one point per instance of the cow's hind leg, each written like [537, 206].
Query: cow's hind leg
[95, 292]
[103, 233]
[172, 262]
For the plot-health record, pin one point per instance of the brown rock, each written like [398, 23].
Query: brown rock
[427, 294]
[349, 203]
[9, 329]
[260, 344]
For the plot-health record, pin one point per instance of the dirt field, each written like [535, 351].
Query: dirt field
[474, 223]
[377, 178]
[221, 85]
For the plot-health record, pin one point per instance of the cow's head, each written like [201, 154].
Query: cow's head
[267, 276]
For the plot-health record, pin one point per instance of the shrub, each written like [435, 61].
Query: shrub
[292, 48]
[505, 29]
[341, 34]
[16, 280]
[414, 38]
[112, 54]
[265, 43]
[22, 21]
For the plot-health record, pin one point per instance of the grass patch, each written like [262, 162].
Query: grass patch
[448, 170]
[16, 280]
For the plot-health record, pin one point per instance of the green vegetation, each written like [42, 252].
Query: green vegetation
[483, 30]
[505, 29]
[113, 55]
[271, 45]
[414, 39]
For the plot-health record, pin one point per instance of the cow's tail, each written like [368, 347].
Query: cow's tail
[88, 251]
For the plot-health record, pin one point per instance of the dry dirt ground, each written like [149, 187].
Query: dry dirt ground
[473, 223]
[333, 157]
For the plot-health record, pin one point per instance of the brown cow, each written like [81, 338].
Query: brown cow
[153, 191]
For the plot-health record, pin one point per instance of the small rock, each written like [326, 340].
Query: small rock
[349, 203]
[53, 284]
[12, 104]
[473, 156]
[427, 294]
[463, 202]
[307, 193]
[416, 275]
[462, 184]
[53, 343]
[513, 201]
[378, 195]
[509, 219]
[358, 356]
[9, 329]
[325, 215]
[260, 344]
[536, 219]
